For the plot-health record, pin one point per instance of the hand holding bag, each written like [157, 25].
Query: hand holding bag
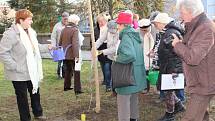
[122, 75]
[78, 64]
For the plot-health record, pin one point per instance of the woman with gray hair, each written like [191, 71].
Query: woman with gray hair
[70, 36]
[197, 52]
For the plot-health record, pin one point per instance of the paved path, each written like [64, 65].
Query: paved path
[86, 55]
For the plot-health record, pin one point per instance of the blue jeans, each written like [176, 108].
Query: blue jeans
[179, 93]
[106, 70]
[162, 95]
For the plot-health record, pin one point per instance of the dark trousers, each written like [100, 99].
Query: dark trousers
[179, 93]
[69, 70]
[170, 99]
[21, 88]
[60, 70]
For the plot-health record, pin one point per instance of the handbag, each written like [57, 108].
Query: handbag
[122, 75]
[78, 64]
[59, 54]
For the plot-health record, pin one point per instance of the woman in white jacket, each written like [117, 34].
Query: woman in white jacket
[112, 40]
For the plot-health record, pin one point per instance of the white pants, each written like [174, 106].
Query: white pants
[127, 107]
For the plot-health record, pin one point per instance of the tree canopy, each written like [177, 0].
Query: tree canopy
[47, 12]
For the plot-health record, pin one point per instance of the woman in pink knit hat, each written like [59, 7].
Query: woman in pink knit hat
[129, 52]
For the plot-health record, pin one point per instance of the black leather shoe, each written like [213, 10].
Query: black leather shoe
[168, 117]
[78, 92]
[67, 89]
[133, 119]
[179, 107]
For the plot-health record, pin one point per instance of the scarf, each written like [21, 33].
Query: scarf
[34, 61]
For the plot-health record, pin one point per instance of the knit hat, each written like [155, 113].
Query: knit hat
[23, 14]
[112, 26]
[144, 23]
[124, 18]
[73, 19]
[163, 18]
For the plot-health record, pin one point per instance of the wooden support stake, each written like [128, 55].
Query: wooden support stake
[94, 58]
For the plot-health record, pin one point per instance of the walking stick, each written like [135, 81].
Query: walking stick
[97, 109]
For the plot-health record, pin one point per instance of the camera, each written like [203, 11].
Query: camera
[170, 38]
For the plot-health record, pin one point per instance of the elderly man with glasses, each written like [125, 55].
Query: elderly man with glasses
[197, 52]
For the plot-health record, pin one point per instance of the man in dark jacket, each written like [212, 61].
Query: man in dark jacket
[170, 63]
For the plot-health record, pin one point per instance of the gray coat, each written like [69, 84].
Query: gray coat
[13, 55]
[56, 32]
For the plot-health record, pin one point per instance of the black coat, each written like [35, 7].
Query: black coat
[169, 61]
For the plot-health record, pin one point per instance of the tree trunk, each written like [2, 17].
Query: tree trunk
[97, 109]
[110, 2]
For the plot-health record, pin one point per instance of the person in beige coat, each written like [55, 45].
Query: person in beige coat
[19, 52]
[55, 38]
[148, 40]
[197, 51]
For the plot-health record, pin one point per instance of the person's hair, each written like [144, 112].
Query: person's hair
[22, 14]
[153, 15]
[136, 16]
[74, 19]
[105, 16]
[127, 25]
[194, 6]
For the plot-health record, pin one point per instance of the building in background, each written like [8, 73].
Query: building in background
[209, 6]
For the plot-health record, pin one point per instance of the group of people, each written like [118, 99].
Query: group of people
[185, 46]
[177, 47]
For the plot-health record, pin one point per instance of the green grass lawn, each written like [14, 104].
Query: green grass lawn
[65, 106]
[55, 102]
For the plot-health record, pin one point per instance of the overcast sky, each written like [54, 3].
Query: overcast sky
[3, 0]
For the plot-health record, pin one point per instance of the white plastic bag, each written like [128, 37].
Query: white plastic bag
[78, 64]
